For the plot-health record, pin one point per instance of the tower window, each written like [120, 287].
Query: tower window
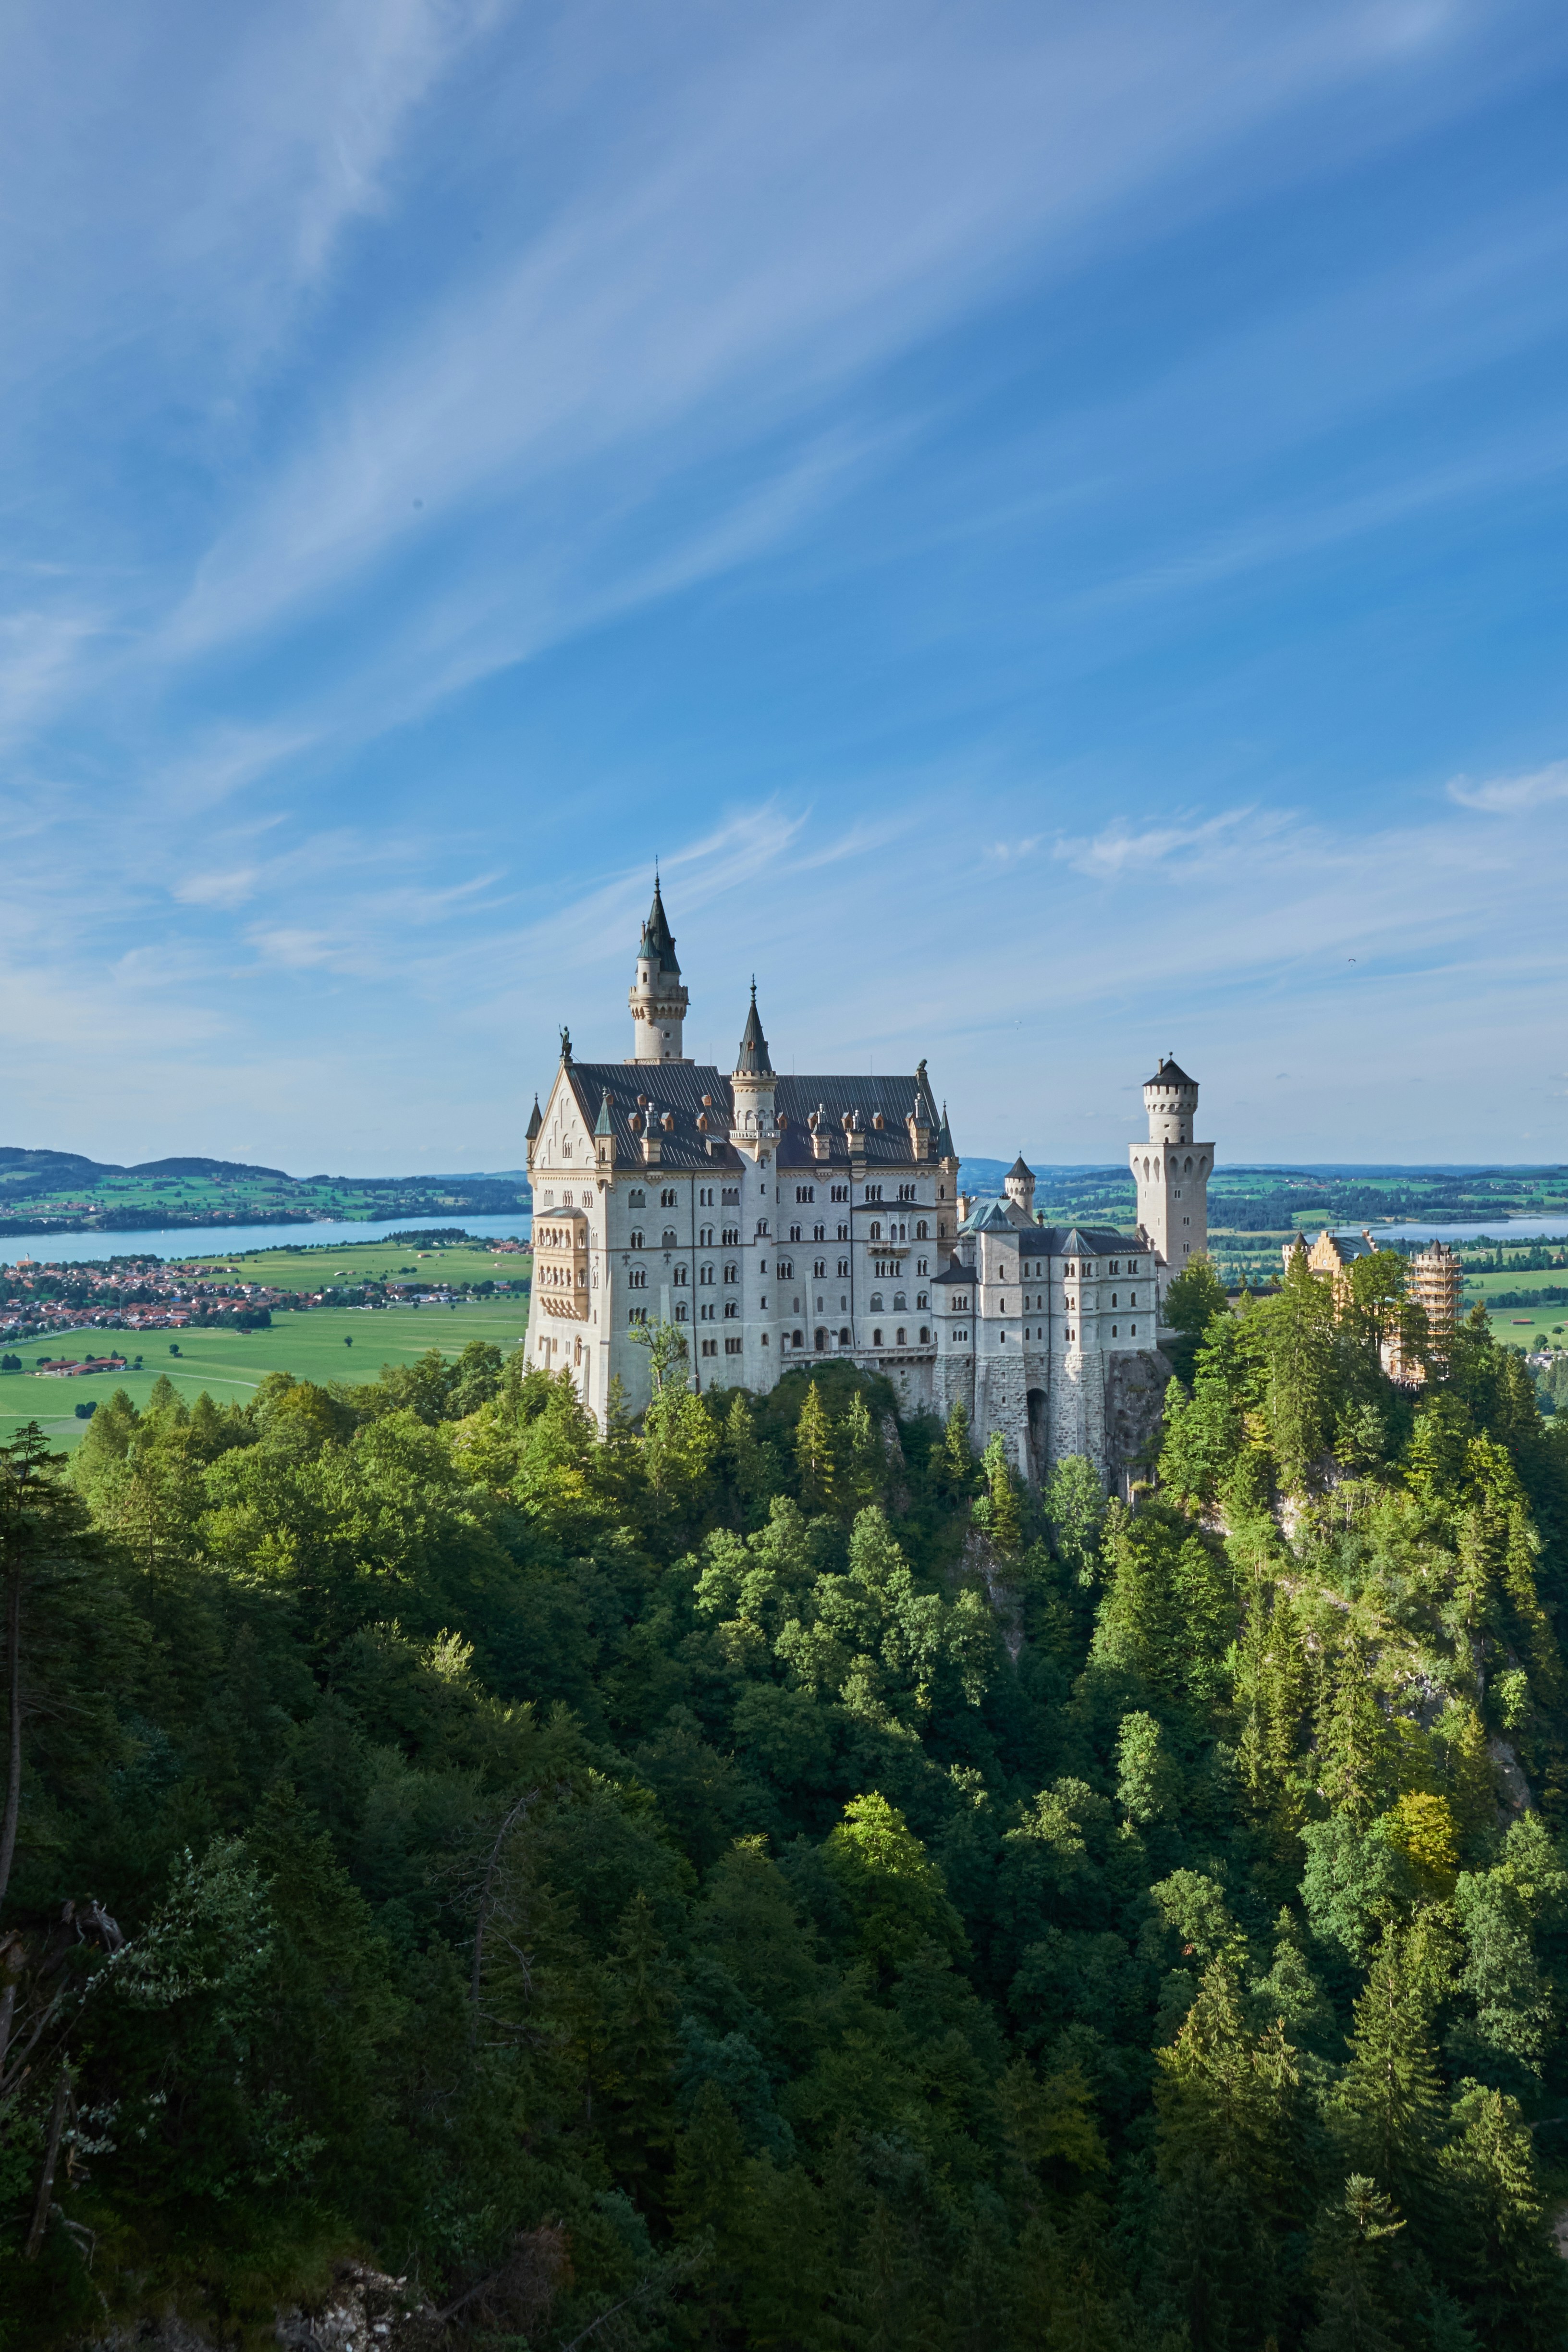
[635, 1200]
[841, 1191]
[806, 1192]
[873, 1192]
[667, 1200]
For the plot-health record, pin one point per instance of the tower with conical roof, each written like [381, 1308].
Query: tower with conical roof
[1172, 1172]
[659, 998]
[1019, 1186]
[752, 1084]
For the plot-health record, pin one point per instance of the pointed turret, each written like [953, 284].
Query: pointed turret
[658, 999]
[605, 1138]
[536, 1121]
[604, 1125]
[1018, 1184]
[752, 1087]
[753, 1056]
[944, 1146]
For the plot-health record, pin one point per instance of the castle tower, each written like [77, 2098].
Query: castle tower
[658, 1000]
[752, 1086]
[1172, 1172]
[1019, 1186]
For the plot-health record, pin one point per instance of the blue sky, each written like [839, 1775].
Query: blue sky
[1049, 521]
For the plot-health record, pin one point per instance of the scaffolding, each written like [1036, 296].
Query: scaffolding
[1436, 1283]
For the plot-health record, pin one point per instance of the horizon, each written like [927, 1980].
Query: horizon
[1048, 527]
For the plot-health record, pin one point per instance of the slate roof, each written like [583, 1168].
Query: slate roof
[658, 940]
[1051, 1241]
[1021, 1168]
[752, 1059]
[677, 1089]
[1170, 1074]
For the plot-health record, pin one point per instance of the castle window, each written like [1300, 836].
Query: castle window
[762, 1232]
[637, 1278]
[899, 1300]
[707, 1312]
[550, 1200]
[681, 1277]
[922, 1265]
[732, 1310]
[844, 1338]
[731, 1274]
[1113, 1331]
[682, 1312]
[705, 1197]
[843, 1269]
[667, 1200]
[705, 1276]
[875, 1338]
[906, 1192]
[1115, 1268]
[1188, 1169]
[902, 1339]
[786, 1269]
[705, 1238]
[920, 1234]
[797, 1338]
[670, 1238]
[634, 1239]
[841, 1191]
[819, 1233]
[806, 1192]
[1114, 1300]
[876, 1302]
[820, 1267]
[732, 1237]
[873, 1192]
[709, 1347]
[923, 1298]
[1133, 1328]
[842, 1232]
[637, 1314]
[765, 1334]
[733, 1347]
[795, 1232]
[925, 1337]
[633, 1199]
[1133, 1301]
[941, 1191]
[731, 1197]
[877, 1232]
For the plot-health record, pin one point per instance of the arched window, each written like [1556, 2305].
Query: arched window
[875, 1338]
[1189, 1167]
[681, 1277]
[636, 1200]
[844, 1340]
[821, 1342]
[925, 1337]
[797, 1338]
[902, 1339]
[820, 1267]
[635, 1239]
[670, 1239]
[900, 1301]
[876, 1232]
[876, 1302]
[920, 1234]
[786, 1269]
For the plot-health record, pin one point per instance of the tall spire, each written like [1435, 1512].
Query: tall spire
[752, 1059]
[658, 940]
[658, 997]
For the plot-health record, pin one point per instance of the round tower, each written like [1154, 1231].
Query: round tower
[1019, 1186]
[658, 999]
[1172, 1172]
[1171, 1099]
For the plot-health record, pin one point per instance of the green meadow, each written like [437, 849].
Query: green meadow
[313, 1268]
[231, 1364]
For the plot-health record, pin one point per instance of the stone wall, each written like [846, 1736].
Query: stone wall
[1134, 1404]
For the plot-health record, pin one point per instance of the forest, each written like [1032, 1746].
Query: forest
[763, 1876]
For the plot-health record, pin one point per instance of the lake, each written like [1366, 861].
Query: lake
[229, 1241]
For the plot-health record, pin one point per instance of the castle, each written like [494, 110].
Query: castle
[778, 1221]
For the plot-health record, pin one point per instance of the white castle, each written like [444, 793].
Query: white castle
[778, 1221]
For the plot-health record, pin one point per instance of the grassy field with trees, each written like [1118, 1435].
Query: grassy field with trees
[764, 1877]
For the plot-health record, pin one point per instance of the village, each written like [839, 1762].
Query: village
[41, 1300]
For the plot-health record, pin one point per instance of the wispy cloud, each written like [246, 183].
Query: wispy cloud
[1512, 795]
[1120, 849]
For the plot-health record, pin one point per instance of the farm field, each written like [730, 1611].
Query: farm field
[308, 1268]
[231, 1364]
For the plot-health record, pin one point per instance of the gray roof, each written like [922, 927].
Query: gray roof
[658, 940]
[678, 1087]
[752, 1060]
[1021, 1168]
[1170, 1074]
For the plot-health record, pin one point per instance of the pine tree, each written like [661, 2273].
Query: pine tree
[814, 1453]
[1350, 2247]
[1386, 2109]
[1007, 1522]
[955, 1461]
[863, 1463]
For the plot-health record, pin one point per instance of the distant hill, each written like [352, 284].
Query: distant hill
[65, 1192]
